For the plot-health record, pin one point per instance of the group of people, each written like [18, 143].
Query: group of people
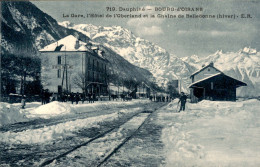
[45, 96]
[160, 98]
[76, 97]
[182, 100]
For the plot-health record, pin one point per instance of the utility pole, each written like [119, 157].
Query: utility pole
[66, 68]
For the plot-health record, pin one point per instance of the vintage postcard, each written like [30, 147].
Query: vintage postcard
[137, 83]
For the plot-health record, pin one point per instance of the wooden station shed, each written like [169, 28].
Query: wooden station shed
[211, 84]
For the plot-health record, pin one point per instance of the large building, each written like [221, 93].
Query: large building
[212, 84]
[71, 65]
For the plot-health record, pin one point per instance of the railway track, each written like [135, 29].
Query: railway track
[128, 127]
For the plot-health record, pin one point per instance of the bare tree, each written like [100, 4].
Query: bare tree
[79, 81]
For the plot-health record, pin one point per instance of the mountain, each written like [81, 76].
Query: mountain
[25, 28]
[142, 53]
[243, 65]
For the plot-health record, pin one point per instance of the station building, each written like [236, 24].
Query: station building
[211, 84]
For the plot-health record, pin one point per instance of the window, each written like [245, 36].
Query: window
[93, 65]
[58, 74]
[88, 76]
[59, 59]
[208, 69]
[89, 67]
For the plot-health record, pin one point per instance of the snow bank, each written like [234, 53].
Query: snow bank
[49, 110]
[11, 114]
[57, 108]
[212, 134]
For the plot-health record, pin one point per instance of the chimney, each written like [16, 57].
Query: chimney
[96, 49]
[77, 44]
[89, 45]
[76, 35]
[211, 64]
[101, 53]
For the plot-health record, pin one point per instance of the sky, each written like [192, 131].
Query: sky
[179, 36]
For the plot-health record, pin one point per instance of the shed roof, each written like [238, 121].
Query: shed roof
[209, 65]
[236, 82]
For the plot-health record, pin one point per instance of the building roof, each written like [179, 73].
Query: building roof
[209, 65]
[200, 82]
[72, 44]
[69, 43]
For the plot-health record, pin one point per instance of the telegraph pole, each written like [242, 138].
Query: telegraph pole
[66, 68]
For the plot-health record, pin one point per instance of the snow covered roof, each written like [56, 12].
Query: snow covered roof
[204, 79]
[238, 83]
[209, 65]
[69, 43]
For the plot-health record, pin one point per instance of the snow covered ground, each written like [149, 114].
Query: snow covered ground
[11, 113]
[212, 134]
[208, 133]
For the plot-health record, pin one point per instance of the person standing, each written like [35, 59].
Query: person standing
[83, 97]
[89, 97]
[183, 99]
[93, 97]
[72, 97]
[77, 98]
[47, 96]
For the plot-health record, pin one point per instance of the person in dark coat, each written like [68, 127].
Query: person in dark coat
[72, 98]
[77, 97]
[47, 96]
[93, 97]
[183, 99]
[89, 97]
[83, 97]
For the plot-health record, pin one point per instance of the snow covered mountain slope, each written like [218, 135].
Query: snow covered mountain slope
[243, 65]
[142, 53]
[24, 27]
